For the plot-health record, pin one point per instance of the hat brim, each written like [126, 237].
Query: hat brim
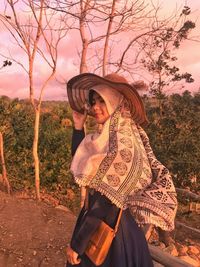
[79, 86]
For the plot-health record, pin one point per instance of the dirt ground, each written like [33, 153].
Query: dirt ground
[35, 234]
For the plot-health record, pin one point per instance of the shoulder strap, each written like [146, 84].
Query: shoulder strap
[86, 203]
[119, 215]
[118, 220]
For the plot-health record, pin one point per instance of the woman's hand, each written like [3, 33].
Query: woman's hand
[79, 119]
[72, 256]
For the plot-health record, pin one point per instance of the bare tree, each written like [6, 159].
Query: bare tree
[37, 31]
[4, 177]
[159, 55]
[97, 22]
[4, 172]
[155, 44]
[101, 25]
[115, 35]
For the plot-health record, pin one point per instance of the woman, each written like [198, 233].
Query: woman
[118, 166]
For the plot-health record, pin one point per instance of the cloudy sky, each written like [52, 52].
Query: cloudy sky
[14, 80]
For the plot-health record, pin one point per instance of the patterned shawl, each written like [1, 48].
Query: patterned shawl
[119, 163]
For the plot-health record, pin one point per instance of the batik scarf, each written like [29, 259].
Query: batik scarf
[119, 163]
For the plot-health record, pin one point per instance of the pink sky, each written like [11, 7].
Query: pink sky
[14, 82]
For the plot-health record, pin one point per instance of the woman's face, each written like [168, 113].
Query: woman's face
[99, 109]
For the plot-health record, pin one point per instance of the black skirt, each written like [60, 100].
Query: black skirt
[129, 247]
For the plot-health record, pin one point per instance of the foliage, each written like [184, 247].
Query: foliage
[174, 138]
[6, 63]
[17, 122]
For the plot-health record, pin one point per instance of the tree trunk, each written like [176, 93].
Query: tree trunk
[105, 52]
[4, 172]
[197, 231]
[35, 152]
[166, 259]
[83, 65]
[188, 194]
[83, 33]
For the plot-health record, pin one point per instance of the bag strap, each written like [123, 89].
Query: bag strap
[118, 221]
[87, 205]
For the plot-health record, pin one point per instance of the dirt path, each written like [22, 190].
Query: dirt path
[36, 234]
[33, 234]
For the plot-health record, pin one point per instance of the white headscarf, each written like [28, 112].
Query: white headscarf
[111, 97]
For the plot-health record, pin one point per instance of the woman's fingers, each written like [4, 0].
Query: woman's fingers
[79, 119]
[75, 259]
[78, 115]
[72, 256]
